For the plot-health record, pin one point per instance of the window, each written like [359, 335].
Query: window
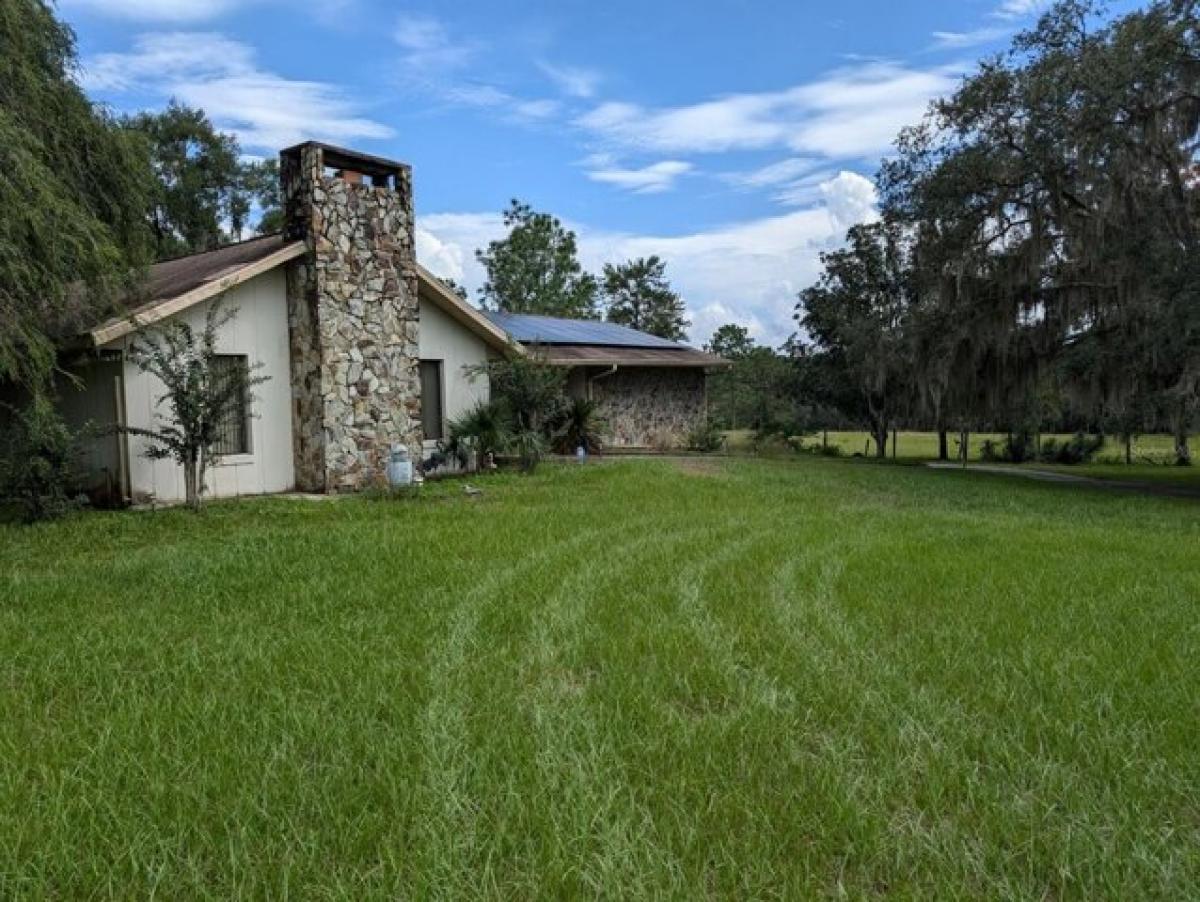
[431, 399]
[233, 432]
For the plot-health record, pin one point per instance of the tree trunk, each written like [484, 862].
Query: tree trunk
[191, 491]
[1183, 451]
[1179, 426]
[824, 438]
[943, 443]
[964, 445]
[201, 476]
[894, 443]
[1128, 448]
[880, 434]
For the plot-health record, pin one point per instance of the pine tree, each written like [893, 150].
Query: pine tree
[535, 268]
[638, 295]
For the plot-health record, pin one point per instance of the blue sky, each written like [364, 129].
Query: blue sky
[736, 140]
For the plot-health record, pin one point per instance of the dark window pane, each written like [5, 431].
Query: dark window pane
[431, 399]
[233, 432]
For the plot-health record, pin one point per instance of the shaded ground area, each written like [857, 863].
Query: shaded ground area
[789, 679]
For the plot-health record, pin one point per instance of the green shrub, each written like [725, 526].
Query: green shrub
[485, 427]
[532, 390]
[1078, 449]
[578, 424]
[705, 437]
[39, 462]
[529, 445]
[1017, 448]
[818, 449]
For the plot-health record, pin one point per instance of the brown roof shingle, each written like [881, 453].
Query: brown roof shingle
[172, 278]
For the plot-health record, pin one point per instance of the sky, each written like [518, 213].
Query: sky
[736, 140]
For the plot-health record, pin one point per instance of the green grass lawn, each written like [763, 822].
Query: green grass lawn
[913, 446]
[1153, 454]
[742, 679]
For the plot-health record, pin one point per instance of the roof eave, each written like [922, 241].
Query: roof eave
[464, 314]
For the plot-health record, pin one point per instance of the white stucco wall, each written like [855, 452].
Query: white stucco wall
[442, 338]
[260, 331]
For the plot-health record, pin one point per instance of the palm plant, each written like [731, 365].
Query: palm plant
[485, 427]
[530, 447]
[579, 425]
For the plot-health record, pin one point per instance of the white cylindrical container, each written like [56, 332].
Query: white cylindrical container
[399, 467]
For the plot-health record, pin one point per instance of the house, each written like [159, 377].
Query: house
[650, 392]
[363, 348]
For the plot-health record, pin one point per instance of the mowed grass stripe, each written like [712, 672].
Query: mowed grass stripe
[459, 838]
[581, 829]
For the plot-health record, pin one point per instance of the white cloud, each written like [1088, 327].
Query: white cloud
[432, 63]
[652, 179]
[850, 199]
[176, 56]
[1018, 9]
[803, 181]
[774, 174]
[858, 112]
[727, 124]
[444, 259]
[157, 10]
[473, 94]
[573, 81]
[804, 191]
[849, 113]
[536, 109]
[958, 40]
[427, 46]
[746, 272]
[220, 75]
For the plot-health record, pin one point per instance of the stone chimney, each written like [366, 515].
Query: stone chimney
[352, 314]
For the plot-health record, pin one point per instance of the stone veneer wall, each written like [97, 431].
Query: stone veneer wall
[651, 407]
[353, 323]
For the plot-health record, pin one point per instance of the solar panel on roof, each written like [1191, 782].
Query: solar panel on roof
[551, 330]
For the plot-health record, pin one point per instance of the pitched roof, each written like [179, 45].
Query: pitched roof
[585, 342]
[175, 285]
[434, 289]
[553, 330]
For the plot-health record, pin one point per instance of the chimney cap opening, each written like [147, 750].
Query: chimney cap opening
[380, 170]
